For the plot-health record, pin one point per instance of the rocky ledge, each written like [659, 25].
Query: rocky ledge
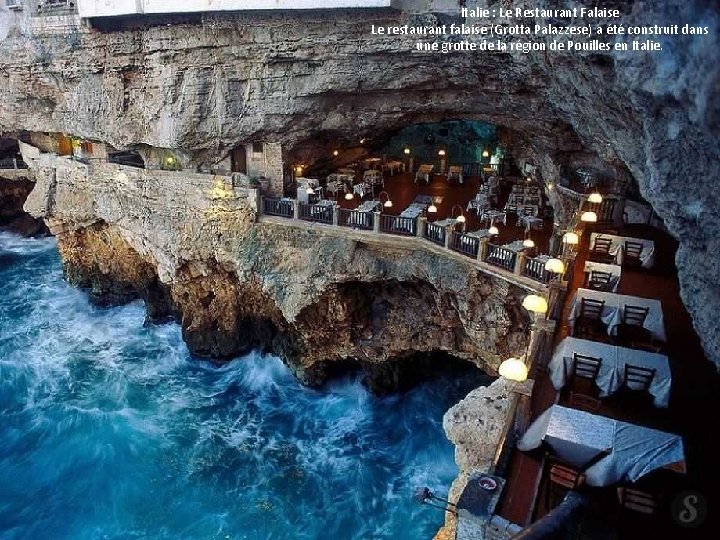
[321, 298]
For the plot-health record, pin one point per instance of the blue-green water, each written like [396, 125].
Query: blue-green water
[110, 430]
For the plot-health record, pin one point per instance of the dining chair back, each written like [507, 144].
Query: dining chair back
[637, 500]
[600, 281]
[601, 246]
[634, 315]
[638, 378]
[633, 250]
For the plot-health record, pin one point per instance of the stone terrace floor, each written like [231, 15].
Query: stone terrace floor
[694, 412]
[402, 191]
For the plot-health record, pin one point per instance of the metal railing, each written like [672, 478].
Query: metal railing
[318, 213]
[435, 233]
[356, 219]
[535, 269]
[467, 245]
[403, 226]
[278, 207]
[500, 256]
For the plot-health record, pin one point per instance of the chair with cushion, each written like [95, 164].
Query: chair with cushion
[631, 256]
[589, 323]
[631, 329]
[600, 251]
[561, 478]
[600, 281]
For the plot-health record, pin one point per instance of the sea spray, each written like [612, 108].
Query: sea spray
[110, 430]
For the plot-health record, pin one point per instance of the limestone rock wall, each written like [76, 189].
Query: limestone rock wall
[204, 88]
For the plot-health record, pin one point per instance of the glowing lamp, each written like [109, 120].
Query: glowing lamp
[407, 151]
[486, 153]
[432, 208]
[535, 304]
[555, 266]
[588, 217]
[335, 153]
[349, 196]
[528, 243]
[493, 230]
[513, 369]
[595, 198]
[387, 204]
[571, 238]
[441, 152]
[461, 219]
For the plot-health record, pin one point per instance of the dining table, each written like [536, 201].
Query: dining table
[613, 310]
[455, 173]
[424, 173]
[617, 247]
[611, 374]
[373, 176]
[607, 450]
[394, 167]
[494, 216]
[413, 211]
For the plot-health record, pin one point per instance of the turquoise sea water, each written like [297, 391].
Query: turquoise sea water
[110, 430]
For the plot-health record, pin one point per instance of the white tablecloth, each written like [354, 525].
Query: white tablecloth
[495, 216]
[413, 211]
[373, 176]
[529, 221]
[393, 167]
[612, 369]
[363, 189]
[423, 173]
[446, 222]
[613, 309]
[368, 206]
[516, 246]
[482, 233]
[614, 269]
[579, 437]
[617, 248]
[480, 202]
[455, 173]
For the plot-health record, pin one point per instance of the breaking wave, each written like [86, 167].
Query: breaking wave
[110, 430]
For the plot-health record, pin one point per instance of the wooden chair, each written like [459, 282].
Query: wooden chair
[600, 251]
[631, 257]
[600, 281]
[636, 500]
[583, 389]
[562, 477]
[589, 323]
[631, 329]
[638, 379]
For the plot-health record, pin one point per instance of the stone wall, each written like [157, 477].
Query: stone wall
[318, 76]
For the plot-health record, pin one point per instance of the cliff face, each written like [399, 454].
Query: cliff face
[313, 299]
[320, 77]
[189, 246]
